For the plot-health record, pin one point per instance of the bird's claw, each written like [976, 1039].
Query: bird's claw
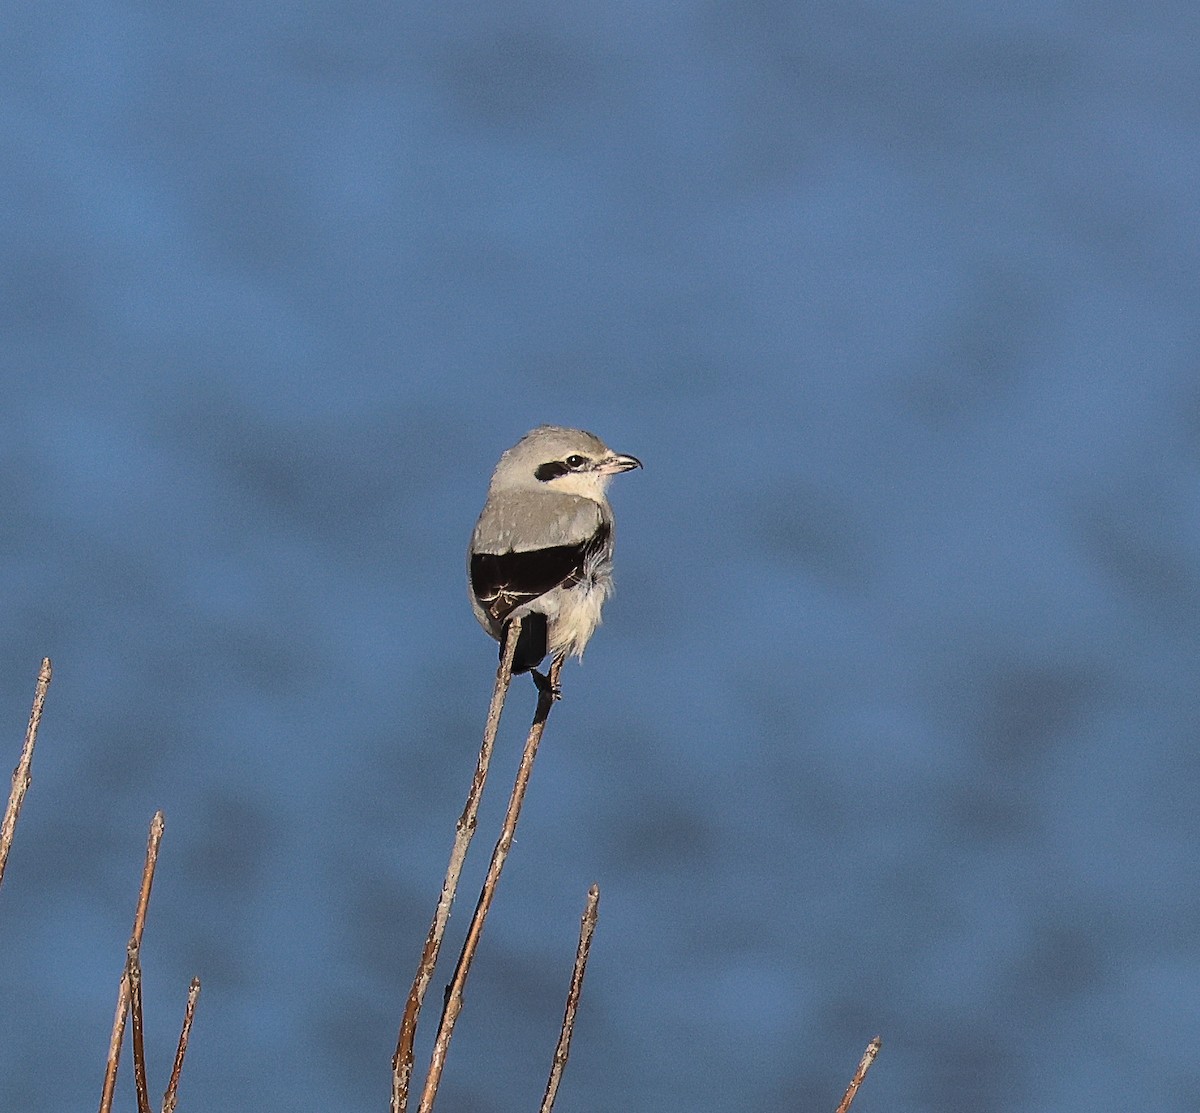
[546, 686]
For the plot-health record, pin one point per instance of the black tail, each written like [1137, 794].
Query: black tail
[531, 645]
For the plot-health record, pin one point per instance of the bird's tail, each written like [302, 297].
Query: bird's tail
[531, 644]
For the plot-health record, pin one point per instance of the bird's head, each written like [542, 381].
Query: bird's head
[569, 461]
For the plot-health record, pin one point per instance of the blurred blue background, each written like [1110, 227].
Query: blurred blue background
[892, 726]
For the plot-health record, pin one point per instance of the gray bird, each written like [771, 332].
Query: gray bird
[542, 548]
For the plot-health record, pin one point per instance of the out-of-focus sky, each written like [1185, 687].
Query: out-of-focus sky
[892, 724]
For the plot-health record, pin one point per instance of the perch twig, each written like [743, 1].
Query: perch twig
[139, 924]
[864, 1065]
[402, 1061]
[454, 993]
[22, 774]
[133, 971]
[172, 1094]
[587, 927]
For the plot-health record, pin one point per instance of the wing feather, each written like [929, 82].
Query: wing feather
[502, 582]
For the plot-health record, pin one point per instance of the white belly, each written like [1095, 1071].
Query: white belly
[573, 613]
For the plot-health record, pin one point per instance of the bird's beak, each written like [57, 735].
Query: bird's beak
[612, 464]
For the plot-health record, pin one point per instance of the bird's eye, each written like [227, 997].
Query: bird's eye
[576, 462]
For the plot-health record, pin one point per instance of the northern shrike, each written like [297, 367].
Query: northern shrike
[542, 548]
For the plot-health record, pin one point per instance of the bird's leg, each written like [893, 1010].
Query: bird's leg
[548, 684]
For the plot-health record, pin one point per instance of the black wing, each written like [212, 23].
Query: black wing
[502, 582]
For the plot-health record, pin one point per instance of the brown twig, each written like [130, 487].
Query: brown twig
[139, 924]
[402, 1061]
[172, 1094]
[864, 1065]
[587, 927]
[22, 775]
[133, 972]
[454, 994]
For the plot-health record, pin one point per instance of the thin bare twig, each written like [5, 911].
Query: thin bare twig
[139, 924]
[454, 994]
[133, 972]
[172, 1094]
[402, 1061]
[864, 1065]
[22, 775]
[587, 927]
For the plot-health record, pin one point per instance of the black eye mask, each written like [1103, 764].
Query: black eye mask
[552, 470]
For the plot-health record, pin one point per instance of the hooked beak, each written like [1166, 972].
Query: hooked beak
[613, 464]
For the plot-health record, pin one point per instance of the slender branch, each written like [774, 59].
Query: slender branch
[864, 1065]
[22, 775]
[587, 927]
[402, 1061]
[172, 1094]
[139, 924]
[454, 994]
[133, 972]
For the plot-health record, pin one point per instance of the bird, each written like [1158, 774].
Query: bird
[542, 549]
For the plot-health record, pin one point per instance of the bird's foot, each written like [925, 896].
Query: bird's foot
[546, 686]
